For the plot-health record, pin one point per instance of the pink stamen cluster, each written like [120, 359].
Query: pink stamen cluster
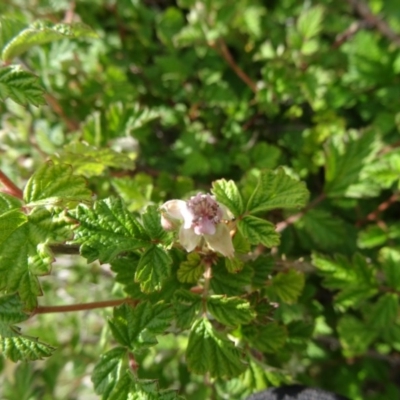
[204, 213]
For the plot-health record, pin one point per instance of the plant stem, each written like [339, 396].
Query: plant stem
[9, 187]
[227, 56]
[295, 217]
[207, 277]
[82, 307]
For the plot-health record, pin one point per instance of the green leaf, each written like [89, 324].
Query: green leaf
[187, 306]
[354, 336]
[230, 311]
[233, 265]
[390, 259]
[24, 252]
[339, 272]
[208, 351]
[309, 23]
[11, 309]
[274, 190]
[41, 32]
[345, 162]
[153, 267]
[9, 27]
[106, 230]
[107, 371]
[267, 338]
[22, 348]
[227, 193]
[190, 270]
[136, 328]
[8, 203]
[152, 224]
[55, 185]
[258, 231]
[262, 267]
[224, 282]
[21, 86]
[91, 161]
[371, 237]
[384, 312]
[286, 286]
[326, 231]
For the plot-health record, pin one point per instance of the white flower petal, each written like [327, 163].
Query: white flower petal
[189, 240]
[221, 241]
[205, 227]
[174, 209]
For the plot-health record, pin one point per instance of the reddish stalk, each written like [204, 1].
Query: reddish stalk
[227, 56]
[9, 187]
[295, 217]
[82, 307]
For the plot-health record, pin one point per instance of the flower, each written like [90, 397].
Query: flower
[200, 218]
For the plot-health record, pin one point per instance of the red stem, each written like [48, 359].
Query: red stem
[9, 187]
[82, 307]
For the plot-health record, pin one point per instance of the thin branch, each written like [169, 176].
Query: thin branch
[349, 33]
[227, 56]
[364, 11]
[82, 307]
[295, 217]
[9, 187]
[56, 107]
[374, 215]
[65, 249]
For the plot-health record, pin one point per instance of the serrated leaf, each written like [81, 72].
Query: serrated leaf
[42, 32]
[153, 267]
[107, 371]
[354, 336]
[137, 327]
[309, 23]
[233, 265]
[106, 230]
[227, 193]
[24, 252]
[208, 351]
[230, 311]
[267, 338]
[390, 259]
[11, 309]
[344, 167]
[286, 286]
[152, 223]
[190, 270]
[187, 306]
[8, 203]
[258, 231]
[21, 348]
[262, 268]
[21, 86]
[326, 231]
[224, 282]
[55, 185]
[274, 190]
[384, 312]
[91, 161]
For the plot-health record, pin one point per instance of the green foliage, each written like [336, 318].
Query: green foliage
[41, 32]
[208, 351]
[287, 113]
[21, 86]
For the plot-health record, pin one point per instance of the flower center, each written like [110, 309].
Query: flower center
[205, 213]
